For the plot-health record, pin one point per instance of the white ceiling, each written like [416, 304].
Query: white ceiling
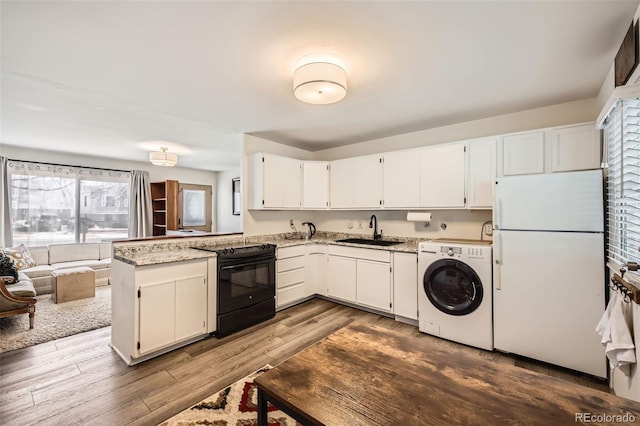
[109, 78]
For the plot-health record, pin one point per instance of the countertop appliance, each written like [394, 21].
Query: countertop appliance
[311, 230]
[454, 291]
[549, 278]
[246, 288]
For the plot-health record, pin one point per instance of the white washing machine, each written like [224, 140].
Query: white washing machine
[455, 291]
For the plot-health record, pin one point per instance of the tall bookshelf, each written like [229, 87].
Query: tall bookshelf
[164, 197]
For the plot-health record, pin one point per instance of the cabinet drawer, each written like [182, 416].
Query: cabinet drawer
[289, 264]
[289, 278]
[290, 294]
[360, 253]
[292, 251]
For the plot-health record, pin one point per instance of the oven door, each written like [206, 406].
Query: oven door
[245, 282]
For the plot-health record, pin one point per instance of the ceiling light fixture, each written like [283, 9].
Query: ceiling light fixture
[163, 158]
[319, 82]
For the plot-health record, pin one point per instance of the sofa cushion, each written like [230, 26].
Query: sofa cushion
[40, 254]
[20, 256]
[93, 264]
[59, 253]
[105, 250]
[22, 288]
[38, 271]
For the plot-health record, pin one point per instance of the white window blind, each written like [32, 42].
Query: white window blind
[622, 132]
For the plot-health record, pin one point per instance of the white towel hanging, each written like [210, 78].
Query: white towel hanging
[615, 334]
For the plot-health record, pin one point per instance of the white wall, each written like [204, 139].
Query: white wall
[156, 173]
[226, 220]
[555, 115]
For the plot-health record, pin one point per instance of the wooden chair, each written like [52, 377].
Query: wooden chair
[16, 304]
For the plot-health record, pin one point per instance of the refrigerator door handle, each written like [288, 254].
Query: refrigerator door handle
[497, 247]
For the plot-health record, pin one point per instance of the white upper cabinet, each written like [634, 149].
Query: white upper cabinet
[356, 182]
[401, 179]
[367, 181]
[481, 173]
[575, 148]
[341, 183]
[442, 176]
[274, 182]
[523, 154]
[559, 149]
[315, 184]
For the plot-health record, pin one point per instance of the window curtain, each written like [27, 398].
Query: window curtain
[140, 210]
[6, 236]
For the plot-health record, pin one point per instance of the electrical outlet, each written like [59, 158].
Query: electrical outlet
[488, 229]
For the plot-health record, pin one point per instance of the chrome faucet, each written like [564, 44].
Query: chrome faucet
[373, 223]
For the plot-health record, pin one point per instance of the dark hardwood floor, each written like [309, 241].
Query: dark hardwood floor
[80, 380]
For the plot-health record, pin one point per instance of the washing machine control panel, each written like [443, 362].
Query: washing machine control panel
[451, 251]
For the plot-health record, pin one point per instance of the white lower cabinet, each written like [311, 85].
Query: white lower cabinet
[341, 278]
[361, 276]
[373, 284]
[156, 308]
[172, 303]
[291, 285]
[405, 285]
[316, 269]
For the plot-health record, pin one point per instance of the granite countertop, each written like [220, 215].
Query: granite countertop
[163, 253]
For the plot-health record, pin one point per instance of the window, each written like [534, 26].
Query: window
[622, 132]
[61, 204]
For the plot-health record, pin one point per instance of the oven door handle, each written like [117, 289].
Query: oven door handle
[223, 267]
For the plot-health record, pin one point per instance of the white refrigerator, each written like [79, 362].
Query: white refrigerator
[549, 268]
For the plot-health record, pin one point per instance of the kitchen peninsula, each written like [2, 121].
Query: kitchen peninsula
[165, 291]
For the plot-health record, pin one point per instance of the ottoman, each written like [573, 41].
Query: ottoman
[73, 284]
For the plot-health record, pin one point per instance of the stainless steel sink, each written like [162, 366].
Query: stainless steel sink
[369, 242]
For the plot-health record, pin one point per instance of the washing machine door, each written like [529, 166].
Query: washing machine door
[453, 287]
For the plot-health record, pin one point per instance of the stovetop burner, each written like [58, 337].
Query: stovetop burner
[241, 251]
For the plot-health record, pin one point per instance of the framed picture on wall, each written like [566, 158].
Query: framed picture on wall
[235, 190]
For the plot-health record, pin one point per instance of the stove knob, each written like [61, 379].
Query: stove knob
[231, 250]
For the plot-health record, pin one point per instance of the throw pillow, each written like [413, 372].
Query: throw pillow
[7, 268]
[20, 256]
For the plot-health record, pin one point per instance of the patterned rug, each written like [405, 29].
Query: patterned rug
[236, 405]
[54, 321]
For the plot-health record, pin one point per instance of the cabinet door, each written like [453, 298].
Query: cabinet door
[367, 181]
[442, 176]
[341, 278]
[156, 315]
[523, 154]
[575, 148]
[341, 184]
[373, 287]
[401, 179]
[315, 184]
[482, 173]
[191, 307]
[316, 269]
[281, 182]
[405, 285]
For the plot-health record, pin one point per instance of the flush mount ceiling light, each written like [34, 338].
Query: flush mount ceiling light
[319, 82]
[163, 158]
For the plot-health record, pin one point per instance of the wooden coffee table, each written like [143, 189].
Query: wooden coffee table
[369, 375]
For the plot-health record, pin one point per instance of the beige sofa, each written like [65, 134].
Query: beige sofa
[97, 256]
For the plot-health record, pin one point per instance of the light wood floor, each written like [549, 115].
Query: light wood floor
[80, 380]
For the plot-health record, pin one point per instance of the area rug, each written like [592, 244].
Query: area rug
[235, 405]
[54, 321]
